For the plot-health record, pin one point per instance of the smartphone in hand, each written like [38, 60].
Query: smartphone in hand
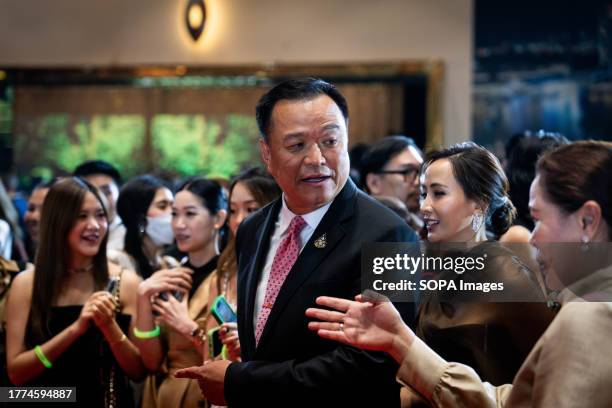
[214, 342]
[222, 311]
[177, 295]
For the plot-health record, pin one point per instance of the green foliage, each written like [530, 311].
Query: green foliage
[118, 139]
[196, 145]
[60, 142]
[182, 144]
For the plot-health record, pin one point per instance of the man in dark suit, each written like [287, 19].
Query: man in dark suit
[304, 245]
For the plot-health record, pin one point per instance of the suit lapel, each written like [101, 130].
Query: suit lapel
[311, 257]
[262, 239]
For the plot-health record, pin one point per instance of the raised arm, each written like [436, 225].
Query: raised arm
[122, 344]
[149, 344]
[378, 326]
[366, 325]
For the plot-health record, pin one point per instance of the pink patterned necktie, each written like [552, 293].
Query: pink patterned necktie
[285, 257]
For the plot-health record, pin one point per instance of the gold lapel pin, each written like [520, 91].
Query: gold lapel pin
[321, 242]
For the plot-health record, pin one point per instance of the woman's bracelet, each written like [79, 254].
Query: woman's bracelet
[199, 335]
[41, 356]
[147, 334]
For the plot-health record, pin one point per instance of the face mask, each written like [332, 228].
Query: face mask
[159, 229]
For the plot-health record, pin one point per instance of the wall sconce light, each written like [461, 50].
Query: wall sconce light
[195, 18]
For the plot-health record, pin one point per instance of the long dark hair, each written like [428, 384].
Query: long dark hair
[578, 172]
[133, 204]
[260, 183]
[482, 179]
[59, 214]
[264, 190]
[208, 191]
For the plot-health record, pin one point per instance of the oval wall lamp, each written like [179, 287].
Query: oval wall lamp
[195, 18]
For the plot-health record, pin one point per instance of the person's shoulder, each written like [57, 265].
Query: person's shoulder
[127, 275]
[367, 204]
[129, 283]
[24, 276]
[502, 264]
[121, 258]
[584, 317]
[516, 234]
[578, 322]
[578, 326]
[23, 283]
[379, 217]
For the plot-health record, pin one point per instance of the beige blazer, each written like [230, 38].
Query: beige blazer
[163, 389]
[570, 365]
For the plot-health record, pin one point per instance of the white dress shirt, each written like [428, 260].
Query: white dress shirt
[280, 232]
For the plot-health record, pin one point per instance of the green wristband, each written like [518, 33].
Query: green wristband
[147, 334]
[41, 356]
[224, 353]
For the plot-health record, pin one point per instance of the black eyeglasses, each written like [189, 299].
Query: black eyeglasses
[409, 172]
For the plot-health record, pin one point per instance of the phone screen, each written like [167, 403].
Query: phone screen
[223, 311]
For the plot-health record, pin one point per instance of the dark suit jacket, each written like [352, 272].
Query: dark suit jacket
[292, 366]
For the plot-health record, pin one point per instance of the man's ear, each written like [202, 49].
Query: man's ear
[372, 181]
[264, 150]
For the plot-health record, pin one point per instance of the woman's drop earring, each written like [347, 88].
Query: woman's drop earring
[217, 238]
[477, 222]
[585, 243]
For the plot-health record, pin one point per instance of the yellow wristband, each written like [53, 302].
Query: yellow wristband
[147, 334]
[41, 356]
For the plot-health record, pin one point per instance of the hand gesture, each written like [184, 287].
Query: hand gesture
[210, 377]
[173, 312]
[229, 337]
[166, 280]
[366, 325]
[100, 309]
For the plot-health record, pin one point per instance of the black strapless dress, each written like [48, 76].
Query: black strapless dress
[87, 364]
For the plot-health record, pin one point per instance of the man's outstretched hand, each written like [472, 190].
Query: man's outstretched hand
[210, 377]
